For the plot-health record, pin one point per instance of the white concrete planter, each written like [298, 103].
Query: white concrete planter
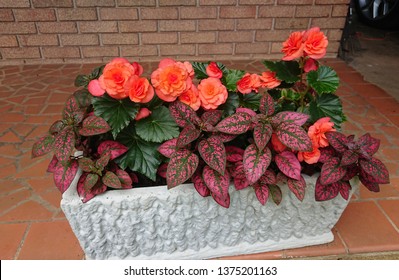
[156, 223]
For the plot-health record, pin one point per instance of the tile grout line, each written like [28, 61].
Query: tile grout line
[387, 216]
[342, 240]
[21, 244]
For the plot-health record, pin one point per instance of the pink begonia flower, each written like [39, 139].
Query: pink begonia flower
[310, 65]
[143, 113]
[95, 89]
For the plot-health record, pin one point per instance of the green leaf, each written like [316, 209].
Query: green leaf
[323, 80]
[231, 79]
[200, 70]
[155, 102]
[251, 100]
[231, 104]
[142, 156]
[157, 127]
[117, 113]
[82, 81]
[96, 72]
[287, 71]
[83, 97]
[327, 105]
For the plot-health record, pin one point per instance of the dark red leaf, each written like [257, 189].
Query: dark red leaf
[276, 193]
[367, 181]
[64, 174]
[52, 165]
[234, 154]
[111, 180]
[262, 134]
[337, 140]
[269, 177]
[199, 184]
[332, 172]
[297, 187]
[213, 153]
[376, 169]
[94, 125]
[351, 171]
[345, 189]
[237, 123]
[239, 177]
[296, 118]
[294, 137]
[261, 192]
[281, 178]
[86, 195]
[288, 163]
[43, 146]
[183, 114]
[266, 104]
[162, 170]
[181, 167]
[256, 162]
[218, 184]
[168, 148]
[326, 192]
[187, 135]
[326, 154]
[64, 144]
[349, 157]
[222, 201]
[115, 148]
[103, 161]
[87, 165]
[124, 178]
[212, 117]
[369, 144]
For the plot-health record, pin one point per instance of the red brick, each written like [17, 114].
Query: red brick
[120, 39]
[20, 52]
[215, 49]
[340, 10]
[95, 3]
[217, 2]
[98, 27]
[139, 51]
[276, 11]
[271, 35]
[337, 22]
[216, 24]
[294, 23]
[198, 12]
[34, 14]
[60, 52]
[17, 27]
[38, 40]
[334, 34]
[100, 51]
[251, 48]
[8, 41]
[15, 4]
[138, 26]
[118, 14]
[335, 2]
[52, 3]
[138, 3]
[159, 38]
[236, 36]
[177, 2]
[250, 24]
[237, 12]
[6, 15]
[276, 48]
[195, 37]
[57, 27]
[166, 50]
[177, 25]
[256, 2]
[294, 2]
[313, 11]
[77, 14]
[159, 13]
[79, 39]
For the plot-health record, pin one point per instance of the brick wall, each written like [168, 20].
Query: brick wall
[71, 31]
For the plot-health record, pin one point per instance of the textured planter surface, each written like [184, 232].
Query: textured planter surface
[156, 223]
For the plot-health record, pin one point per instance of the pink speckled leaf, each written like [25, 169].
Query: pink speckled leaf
[349, 157]
[351, 171]
[64, 144]
[111, 180]
[234, 154]
[256, 162]
[199, 184]
[269, 177]
[71, 107]
[86, 164]
[183, 114]
[56, 127]
[222, 201]
[297, 187]
[369, 144]
[368, 181]
[212, 117]
[261, 192]
[94, 125]
[294, 137]
[181, 167]
[262, 134]
[224, 137]
[326, 192]
[103, 161]
[288, 163]
[43, 146]
[337, 140]
[91, 181]
[345, 189]
[168, 148]
[376, 169]
[84, 194]
[213, 152]
[52, 166]
[290, 117]
[332, 172]
[239, 177]
[124, 178]
[266, 104]
[326, 154]
[237, 123]
[276, 193]
[187, 135]
[64, 174]
[218, 184]
[115, 148]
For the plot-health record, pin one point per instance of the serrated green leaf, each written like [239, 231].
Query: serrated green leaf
[157, 127]
[82, 81]
[287, 71]
[97, 72]
[117, 113]
[323, 80]
[231, 104]
[231, 79]
[142, 156]
[327, 105]
[251, 100]
[200, 70]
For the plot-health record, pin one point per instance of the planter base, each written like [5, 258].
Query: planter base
[156, 223]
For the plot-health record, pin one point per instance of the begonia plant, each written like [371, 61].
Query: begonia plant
[214, 127]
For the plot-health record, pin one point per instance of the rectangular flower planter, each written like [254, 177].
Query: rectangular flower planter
[157, 223]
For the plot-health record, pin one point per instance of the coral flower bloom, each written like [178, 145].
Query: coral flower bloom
[139, 89]
[212, 93]
[293, 46]
[317, 131]
[191, 98]
[248, 83]
[214, 71]
[315, 43]
[269, 80]
[310, 157]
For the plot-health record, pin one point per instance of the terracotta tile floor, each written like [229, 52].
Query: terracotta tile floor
[32, 225]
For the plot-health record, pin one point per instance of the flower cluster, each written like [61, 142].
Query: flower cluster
[210, 125]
